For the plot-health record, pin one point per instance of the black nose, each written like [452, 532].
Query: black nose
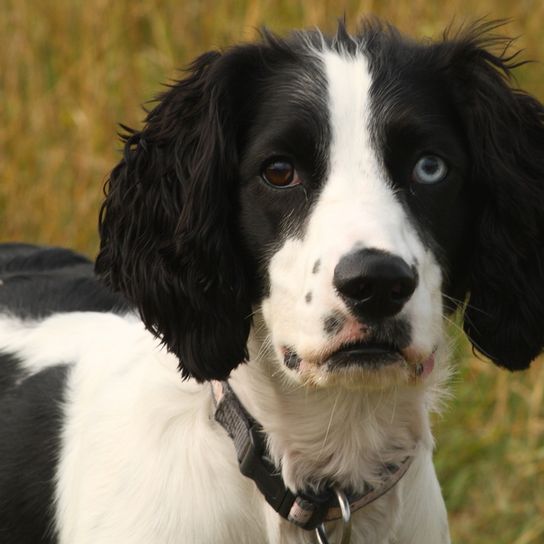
[374, 283]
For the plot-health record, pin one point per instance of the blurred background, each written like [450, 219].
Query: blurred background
[70, 70]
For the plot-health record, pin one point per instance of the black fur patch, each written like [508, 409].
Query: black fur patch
[291, 360]
[30, 427]
[333, 324]
[41, 281]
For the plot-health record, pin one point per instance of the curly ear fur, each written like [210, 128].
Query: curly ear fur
[504, 317]
[168, 233]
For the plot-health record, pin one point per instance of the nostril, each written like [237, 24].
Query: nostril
[402, 290]
[356, 288]
[366, 290]
[397, 291]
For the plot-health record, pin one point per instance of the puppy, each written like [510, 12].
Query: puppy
[289, 231]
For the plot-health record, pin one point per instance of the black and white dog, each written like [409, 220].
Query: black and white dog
[313, 208]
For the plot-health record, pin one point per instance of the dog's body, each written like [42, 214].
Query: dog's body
[310, 207]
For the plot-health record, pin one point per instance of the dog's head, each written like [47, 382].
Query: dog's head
[354, 189]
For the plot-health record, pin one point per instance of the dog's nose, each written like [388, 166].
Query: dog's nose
[374, 283]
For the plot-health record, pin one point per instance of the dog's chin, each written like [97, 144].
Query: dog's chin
[356, 366]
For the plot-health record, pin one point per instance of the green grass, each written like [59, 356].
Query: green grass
[490, 455]
[71, 70]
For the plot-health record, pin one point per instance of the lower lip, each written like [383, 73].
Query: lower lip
[365, 357]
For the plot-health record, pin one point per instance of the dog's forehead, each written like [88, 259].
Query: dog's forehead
[290, 101]
[320, 89]
[349, 81]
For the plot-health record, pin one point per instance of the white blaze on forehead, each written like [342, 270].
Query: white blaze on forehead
[357, 200]
[349, 84]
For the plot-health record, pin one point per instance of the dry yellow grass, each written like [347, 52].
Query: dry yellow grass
[71, 69]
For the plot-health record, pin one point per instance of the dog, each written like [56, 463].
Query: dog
[282, 244]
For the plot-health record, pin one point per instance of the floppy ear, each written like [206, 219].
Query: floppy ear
[504, 317]
[168, 224]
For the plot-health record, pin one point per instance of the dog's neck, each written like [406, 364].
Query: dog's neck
[336, 434]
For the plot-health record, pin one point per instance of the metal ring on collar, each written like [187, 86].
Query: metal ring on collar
[345, 535]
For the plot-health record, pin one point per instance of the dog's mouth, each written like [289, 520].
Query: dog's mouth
[369, 355]
[368, 360]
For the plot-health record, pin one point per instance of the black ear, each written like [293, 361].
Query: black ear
[168, 224]
[504, 317]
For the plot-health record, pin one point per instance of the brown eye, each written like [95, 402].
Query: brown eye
[280, 173]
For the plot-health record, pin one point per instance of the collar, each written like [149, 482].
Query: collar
[304, 509]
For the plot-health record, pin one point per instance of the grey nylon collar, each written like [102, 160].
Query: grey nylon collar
[304, 509]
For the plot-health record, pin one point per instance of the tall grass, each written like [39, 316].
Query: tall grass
[70, 70]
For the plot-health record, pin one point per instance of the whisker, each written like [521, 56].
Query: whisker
[475, 344]
[464, 304]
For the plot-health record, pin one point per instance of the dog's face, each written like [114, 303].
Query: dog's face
[350, 197]
[354, 189]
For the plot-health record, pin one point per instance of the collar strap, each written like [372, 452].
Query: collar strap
[306, 510]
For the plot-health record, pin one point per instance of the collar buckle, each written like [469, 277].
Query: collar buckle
[254, 464]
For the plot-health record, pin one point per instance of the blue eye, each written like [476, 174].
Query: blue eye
[429, 169]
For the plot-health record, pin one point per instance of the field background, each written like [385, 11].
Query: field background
[71, 70]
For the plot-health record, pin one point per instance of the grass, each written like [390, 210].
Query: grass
[490, 454]
[71, 70]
